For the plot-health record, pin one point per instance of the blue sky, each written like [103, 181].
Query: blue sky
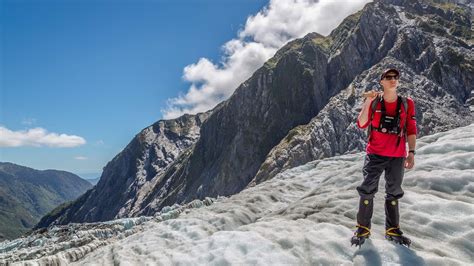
[80, 78]
[101, 70]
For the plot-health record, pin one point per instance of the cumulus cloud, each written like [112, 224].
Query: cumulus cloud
[80, 158]
[263, 34]
[37, 137]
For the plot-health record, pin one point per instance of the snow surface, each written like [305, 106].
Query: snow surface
[306, 216]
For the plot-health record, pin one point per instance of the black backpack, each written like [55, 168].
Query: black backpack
[400, 100]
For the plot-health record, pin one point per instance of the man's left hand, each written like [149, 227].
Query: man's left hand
[410, 161]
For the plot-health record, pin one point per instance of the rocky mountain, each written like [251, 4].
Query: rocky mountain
[133, 174]
[27, 194]
[299, 106]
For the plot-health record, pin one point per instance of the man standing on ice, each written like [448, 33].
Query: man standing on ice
[391, 122]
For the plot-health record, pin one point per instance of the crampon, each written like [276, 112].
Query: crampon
[396, 235]
[360, 235]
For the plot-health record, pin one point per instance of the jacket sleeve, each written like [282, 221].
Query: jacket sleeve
[411, 119]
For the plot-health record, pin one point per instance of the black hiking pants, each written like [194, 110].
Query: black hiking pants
[394, 169]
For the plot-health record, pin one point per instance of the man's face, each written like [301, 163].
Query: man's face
[390, 81]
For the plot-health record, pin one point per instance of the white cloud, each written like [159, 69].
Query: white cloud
[263, 34]
[37, 137]
[80, 158]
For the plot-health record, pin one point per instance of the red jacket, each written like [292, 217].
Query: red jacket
[386, 144]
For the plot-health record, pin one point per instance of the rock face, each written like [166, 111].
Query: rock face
[27, 194]
[299, 106]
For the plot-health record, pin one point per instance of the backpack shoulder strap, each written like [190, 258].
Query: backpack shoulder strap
[373, 108]
[405, 103]
[405, 109]
[403, 127]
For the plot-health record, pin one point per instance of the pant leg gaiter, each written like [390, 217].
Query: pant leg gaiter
[366, 209]
[391, 213]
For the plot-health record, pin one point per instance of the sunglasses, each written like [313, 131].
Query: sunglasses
[391, 77]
